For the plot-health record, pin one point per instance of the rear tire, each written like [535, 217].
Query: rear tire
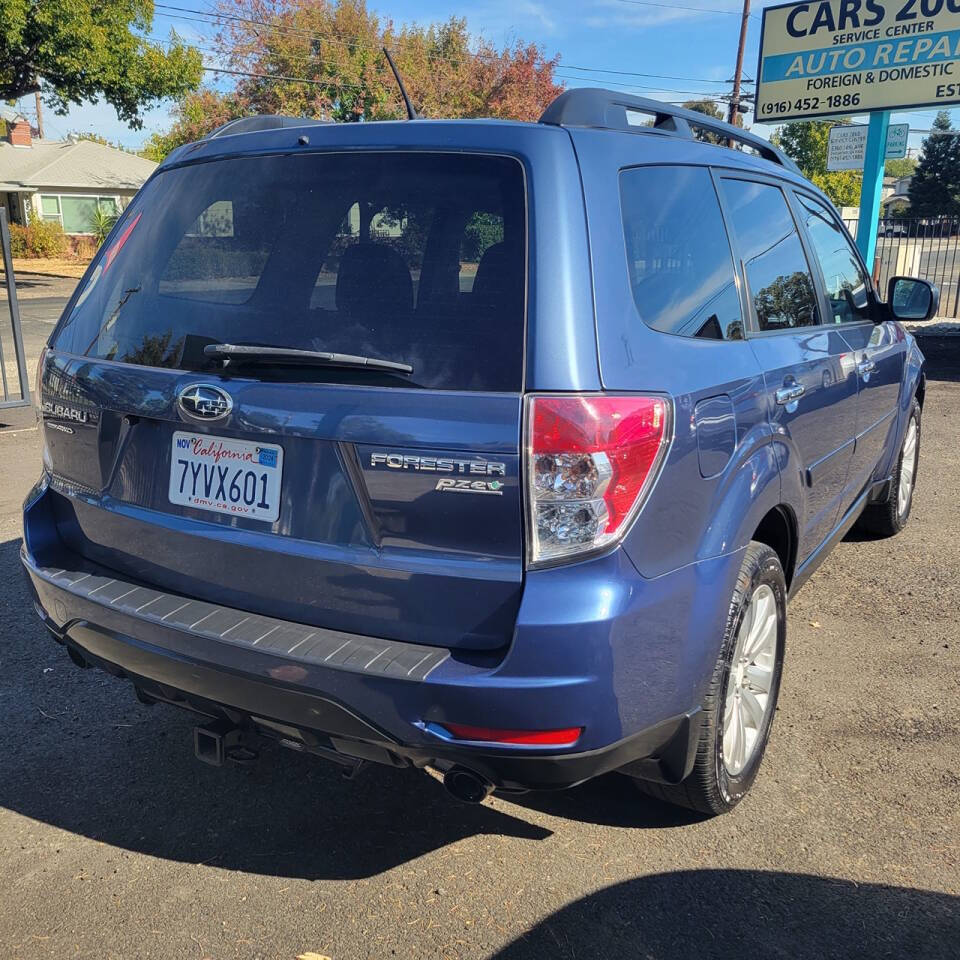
[890, 516]
[741, 699]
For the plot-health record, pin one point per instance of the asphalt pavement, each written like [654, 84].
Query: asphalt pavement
[41, 301]
[116, 843]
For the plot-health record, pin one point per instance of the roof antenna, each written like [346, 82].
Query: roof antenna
[411, 112]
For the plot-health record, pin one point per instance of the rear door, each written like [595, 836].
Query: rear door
[877, 345]
[808, 367]
[376, 502]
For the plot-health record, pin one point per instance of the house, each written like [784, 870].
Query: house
[899, 197]
[895, 196]
[63, 180]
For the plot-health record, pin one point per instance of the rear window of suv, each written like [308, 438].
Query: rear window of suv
[418, 258]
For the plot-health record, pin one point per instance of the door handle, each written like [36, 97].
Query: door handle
[788, 394]
[866, 366]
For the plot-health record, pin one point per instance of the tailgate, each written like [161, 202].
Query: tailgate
[354, 499]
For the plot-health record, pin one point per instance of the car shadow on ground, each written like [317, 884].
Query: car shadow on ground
[746, 913]
[81, 754]
[942, 354]
[609, 801]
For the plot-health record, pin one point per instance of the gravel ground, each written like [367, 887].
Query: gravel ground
[115, 842]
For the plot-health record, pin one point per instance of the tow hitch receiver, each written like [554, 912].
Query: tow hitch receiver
[220, 740]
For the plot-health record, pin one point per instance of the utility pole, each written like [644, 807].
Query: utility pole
[734, 111]
[39, 114]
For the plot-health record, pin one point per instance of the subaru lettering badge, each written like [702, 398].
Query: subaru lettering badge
[204, 401]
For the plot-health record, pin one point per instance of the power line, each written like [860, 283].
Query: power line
[281, 78]
[679, 6]
[310, 59]
[277, 77]
[631, 73]
[691, 94]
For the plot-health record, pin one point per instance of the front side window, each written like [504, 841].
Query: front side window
[845, 281]
[678, 255]
[778, 276]
[417, 258]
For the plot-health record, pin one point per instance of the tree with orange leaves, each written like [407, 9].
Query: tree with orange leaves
[324, 58]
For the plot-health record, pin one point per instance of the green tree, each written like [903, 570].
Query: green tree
[900, 167]
[194, 116]
[935, 187]
[709, 109]
[77, 50]
[805, 142]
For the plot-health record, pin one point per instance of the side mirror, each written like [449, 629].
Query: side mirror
[912, 299]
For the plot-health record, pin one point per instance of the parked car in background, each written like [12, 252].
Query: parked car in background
[495, 447]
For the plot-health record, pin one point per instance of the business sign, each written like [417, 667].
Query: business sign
[836, 57]
[847, 145]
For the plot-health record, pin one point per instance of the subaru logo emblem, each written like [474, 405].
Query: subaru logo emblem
[205, 401]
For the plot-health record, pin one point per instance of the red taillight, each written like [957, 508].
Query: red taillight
[590, 462]
[532, 738]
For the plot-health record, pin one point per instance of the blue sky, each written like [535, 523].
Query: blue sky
[691, 48]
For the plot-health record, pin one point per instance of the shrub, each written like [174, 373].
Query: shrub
[101, 223]
[18, 240]
[40, 238]
[83, 248]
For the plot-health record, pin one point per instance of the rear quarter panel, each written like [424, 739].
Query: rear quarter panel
[692, 513]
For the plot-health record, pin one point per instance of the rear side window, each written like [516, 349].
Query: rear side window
[678, 255]
[417, 258]
[778, 276]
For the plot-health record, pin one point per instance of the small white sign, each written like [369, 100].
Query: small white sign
[847, 145]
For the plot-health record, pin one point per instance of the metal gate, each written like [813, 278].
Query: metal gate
[927, 248]
[13, 366]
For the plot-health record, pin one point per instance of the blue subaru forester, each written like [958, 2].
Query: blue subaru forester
[491, 447]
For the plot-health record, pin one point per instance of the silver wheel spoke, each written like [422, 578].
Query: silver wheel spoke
[908, 468]
[763, 626]
[759, 677]
[747, 695]
[752, 710]
[741, 754]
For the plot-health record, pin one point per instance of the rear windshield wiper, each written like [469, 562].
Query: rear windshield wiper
[251, 353]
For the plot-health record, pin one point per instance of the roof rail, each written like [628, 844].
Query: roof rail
[596, 107]
[266, 121]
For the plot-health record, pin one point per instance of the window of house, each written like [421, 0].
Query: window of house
[75, 212]
[678, 255]
[50, 208]
[778, 276]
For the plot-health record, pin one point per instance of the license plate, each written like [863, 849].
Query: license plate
[236, 477]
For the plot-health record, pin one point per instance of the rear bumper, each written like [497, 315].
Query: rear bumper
[596, 646]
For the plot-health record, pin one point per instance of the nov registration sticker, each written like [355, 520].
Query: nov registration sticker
[238, 477]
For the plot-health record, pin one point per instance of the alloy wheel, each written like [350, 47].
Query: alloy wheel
[908, 468]
[747, 696]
